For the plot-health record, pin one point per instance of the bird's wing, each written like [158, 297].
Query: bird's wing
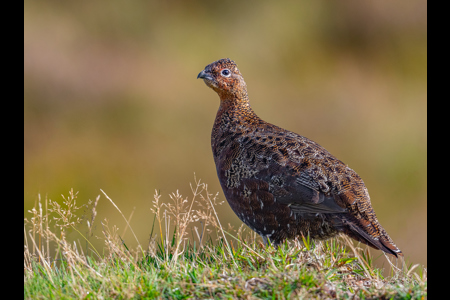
[302, 196]
[305, 199]
[293, 168]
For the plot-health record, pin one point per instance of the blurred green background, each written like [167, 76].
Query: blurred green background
[111, 99]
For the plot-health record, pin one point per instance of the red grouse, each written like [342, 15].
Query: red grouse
[280, 183]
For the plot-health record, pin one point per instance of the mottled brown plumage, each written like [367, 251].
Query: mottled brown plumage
[282, 184]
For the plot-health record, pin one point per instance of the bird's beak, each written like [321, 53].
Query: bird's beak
[204, 75]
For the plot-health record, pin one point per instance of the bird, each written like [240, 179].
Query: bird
[280, 184]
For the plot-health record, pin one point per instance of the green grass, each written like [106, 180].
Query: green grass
[209, 262]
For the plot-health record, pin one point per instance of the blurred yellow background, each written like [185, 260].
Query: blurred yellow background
[111, 99]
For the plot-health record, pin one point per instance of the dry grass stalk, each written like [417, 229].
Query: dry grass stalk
[128, 224]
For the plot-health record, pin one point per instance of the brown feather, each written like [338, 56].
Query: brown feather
[282, 184]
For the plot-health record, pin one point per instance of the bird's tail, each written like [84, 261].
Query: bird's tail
[370, 233]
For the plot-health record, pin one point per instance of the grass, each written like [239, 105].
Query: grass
[191, 255]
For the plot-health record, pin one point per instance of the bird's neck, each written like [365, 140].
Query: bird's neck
[236, 109]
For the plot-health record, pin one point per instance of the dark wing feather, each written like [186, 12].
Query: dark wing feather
[302, 196]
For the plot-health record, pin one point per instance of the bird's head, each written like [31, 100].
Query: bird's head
[224, 77]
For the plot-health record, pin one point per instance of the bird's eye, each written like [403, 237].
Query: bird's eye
[225, 73]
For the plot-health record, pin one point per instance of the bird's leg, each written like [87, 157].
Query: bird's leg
[265, 239]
